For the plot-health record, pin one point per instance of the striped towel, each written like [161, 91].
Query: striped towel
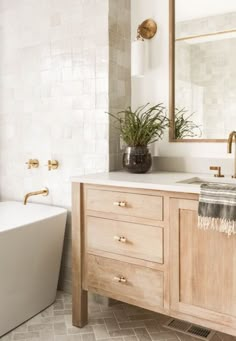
[217, 208]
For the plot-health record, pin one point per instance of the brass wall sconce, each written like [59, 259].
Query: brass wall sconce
[32, 163]
[52, 164]
[146, 30]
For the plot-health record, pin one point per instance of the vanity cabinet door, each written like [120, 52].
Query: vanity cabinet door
[203, 269]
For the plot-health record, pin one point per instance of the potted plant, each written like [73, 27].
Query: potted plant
[138, 130]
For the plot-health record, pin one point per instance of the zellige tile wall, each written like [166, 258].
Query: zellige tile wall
[54, 92]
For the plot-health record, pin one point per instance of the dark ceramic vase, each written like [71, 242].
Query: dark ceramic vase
[137, 159]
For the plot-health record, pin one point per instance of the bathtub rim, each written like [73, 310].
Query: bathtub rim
[61, 211]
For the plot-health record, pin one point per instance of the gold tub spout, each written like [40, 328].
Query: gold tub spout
[43, 192]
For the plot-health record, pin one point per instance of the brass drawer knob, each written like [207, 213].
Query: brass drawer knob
[119, 203]
[120, 239]
[120, 279]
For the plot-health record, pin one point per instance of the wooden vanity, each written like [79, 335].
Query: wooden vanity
[143, 247]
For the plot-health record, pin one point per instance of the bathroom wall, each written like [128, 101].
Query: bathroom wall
[54, 95]
[154, 87]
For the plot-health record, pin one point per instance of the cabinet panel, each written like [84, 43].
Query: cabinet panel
[203, 267]
[127, 204]
[133, 240]
[138, 285]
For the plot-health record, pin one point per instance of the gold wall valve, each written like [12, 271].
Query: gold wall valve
[32, 163]
[52, 164]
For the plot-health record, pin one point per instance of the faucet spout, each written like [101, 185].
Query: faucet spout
[230, 141]
[232, 136]
[43, 192]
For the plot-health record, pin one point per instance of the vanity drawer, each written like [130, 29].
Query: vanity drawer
[127, 282]
[127, 204]
[129, 239]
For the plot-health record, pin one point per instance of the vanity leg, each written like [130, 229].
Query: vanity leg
[79, 296]
[79, 308]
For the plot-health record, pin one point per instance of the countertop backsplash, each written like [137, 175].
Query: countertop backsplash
[192, 164]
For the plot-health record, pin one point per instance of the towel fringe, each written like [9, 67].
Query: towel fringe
[217, 224]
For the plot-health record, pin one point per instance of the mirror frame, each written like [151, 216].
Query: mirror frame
[172, 81]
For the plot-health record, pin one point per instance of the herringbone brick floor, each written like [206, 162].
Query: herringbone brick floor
[120, 322]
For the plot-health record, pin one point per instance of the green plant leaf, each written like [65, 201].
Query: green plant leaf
[184, 126]
[143, 126]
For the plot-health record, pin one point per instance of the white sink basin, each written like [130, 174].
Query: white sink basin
[201, 180]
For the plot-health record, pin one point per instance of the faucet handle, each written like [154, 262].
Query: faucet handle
[218, 169]
[32, 163]
[52, 164]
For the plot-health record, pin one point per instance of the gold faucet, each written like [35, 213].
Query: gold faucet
[218, 169]
[43, 192]
[232, 136]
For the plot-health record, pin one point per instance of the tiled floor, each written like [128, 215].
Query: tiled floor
[121, 322]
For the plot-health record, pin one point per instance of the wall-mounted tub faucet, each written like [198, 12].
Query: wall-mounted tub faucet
[43, 192]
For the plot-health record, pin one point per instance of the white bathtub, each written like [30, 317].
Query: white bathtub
[31, 241]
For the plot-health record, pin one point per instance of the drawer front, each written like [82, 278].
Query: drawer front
[129, 204]
[142, 286]
[129, 239]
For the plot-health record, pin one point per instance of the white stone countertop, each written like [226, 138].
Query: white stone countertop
[163, 181]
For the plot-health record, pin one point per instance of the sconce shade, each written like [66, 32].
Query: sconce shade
[138, 58]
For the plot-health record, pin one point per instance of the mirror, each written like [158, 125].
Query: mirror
[202, 70]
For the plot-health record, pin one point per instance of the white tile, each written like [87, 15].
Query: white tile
[54, 95]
